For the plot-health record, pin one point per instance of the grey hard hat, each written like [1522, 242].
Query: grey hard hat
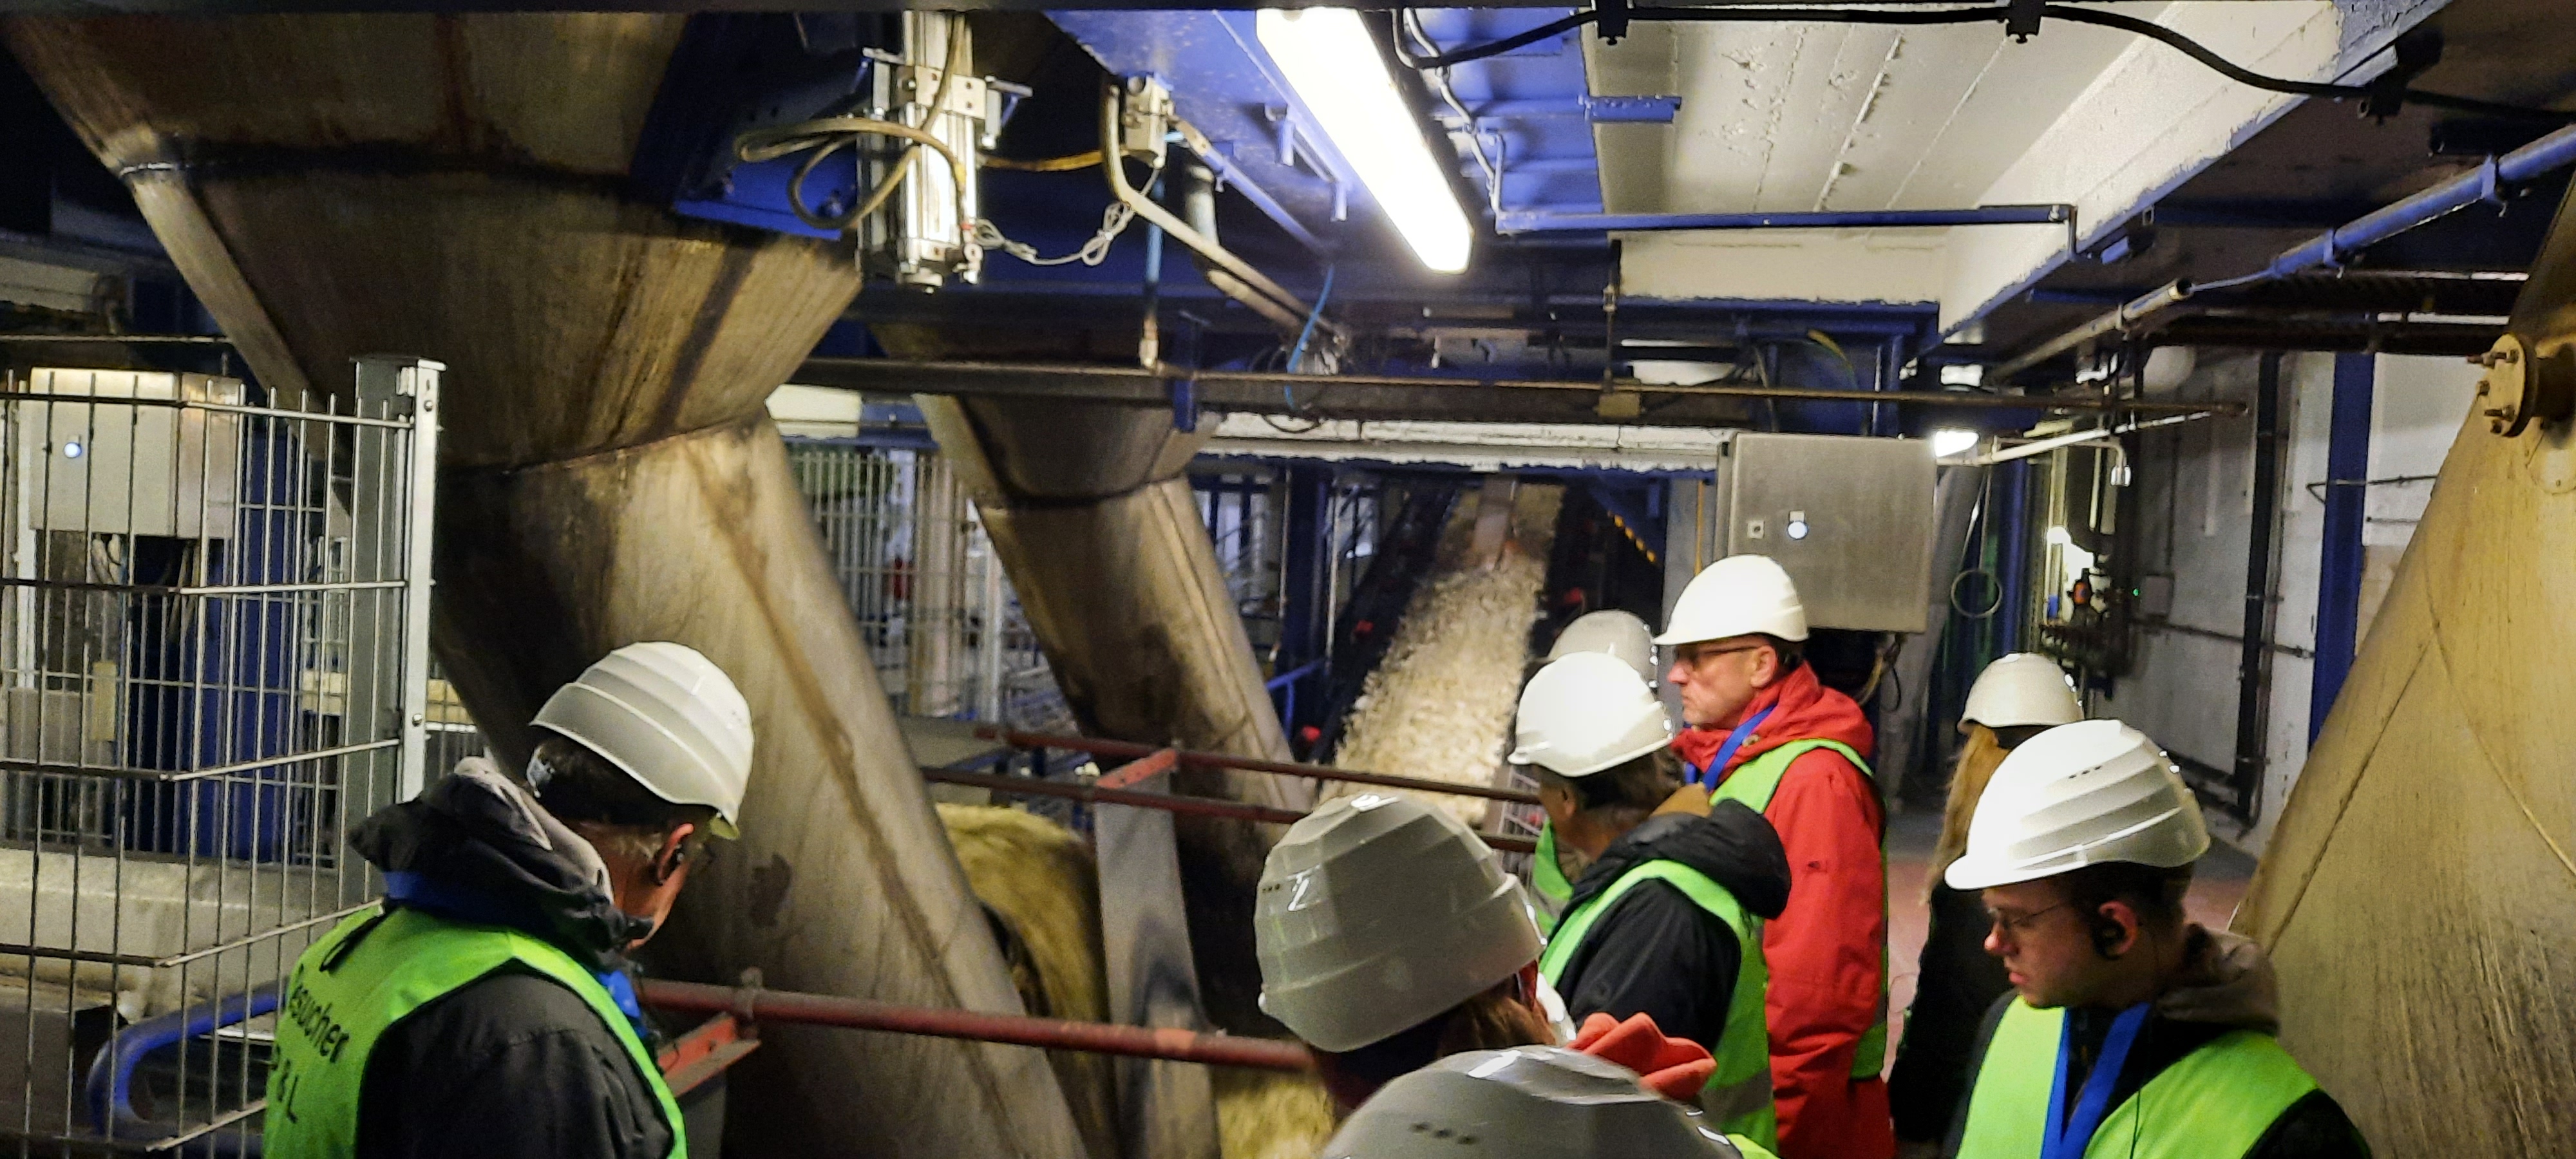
[1529, 1102]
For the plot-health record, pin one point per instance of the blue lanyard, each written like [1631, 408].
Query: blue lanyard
[2067, 1140]
[1716, 769]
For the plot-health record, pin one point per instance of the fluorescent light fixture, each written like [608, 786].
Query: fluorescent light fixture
[1333, 63]
[1948, 442]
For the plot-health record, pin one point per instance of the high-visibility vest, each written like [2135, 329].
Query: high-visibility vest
[1550, 890]
[1738, 1094]
[372, 972]
[1753, 784]
[2215, 1103]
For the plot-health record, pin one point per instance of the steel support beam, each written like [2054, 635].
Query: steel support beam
[1389, 396]
[2340, 559]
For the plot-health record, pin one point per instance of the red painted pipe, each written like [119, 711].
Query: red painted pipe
[1167, 802]
[1129, 749]
[939, 1022]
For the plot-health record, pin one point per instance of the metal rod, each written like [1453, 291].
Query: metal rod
[2070, 439]
[1099, 747]
[1260, 290]
[1527, 221]
[1259, 390]
[1166, 1043]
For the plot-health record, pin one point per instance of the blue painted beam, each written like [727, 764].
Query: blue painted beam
[1522, 222]
[2340, 560]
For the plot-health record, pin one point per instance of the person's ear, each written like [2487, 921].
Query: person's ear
[674, 853]
[2115, 930]
[1766, 666]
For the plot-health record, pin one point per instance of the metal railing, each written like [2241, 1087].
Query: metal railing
[213, 661]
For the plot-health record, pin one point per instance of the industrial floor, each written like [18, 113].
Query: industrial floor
[2216, 887]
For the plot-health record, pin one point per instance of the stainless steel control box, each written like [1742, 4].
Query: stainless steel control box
[1849, 517]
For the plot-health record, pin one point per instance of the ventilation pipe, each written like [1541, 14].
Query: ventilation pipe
[455, 187]
[2416, 887]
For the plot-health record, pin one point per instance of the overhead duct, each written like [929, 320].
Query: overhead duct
[2415, 890]
[1088, 509]
[456, 187]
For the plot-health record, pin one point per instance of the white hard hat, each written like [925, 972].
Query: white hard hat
[1737, 596]
[2077, 795]
[1587, 712]
[2024, 688]
[1528, 1102]
[1615, 633]
[1377, 913]
[669, 717]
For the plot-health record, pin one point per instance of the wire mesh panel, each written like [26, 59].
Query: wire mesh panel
[937, 614]
[212, 663]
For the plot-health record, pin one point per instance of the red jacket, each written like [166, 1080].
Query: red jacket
[1828, 949]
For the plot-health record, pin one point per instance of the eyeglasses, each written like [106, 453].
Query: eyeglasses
[2016, 926]
[1693, 654]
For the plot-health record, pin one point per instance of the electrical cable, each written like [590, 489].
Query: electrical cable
[828, 135]
[1979, 15]
[1065, 164]
[1412, 24]
[1113, 221]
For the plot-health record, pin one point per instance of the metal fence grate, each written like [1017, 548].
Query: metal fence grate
[212, 662]
[940, 619]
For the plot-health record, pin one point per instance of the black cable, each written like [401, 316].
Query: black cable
[1979, 15]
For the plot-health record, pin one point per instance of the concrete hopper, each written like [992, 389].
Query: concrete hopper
[456, 187]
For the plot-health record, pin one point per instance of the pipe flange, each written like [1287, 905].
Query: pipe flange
[2522, 385]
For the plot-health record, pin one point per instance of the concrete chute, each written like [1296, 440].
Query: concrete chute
[457, 187]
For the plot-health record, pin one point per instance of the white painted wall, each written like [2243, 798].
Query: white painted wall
[2196, 497]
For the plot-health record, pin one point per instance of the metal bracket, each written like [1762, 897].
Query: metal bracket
[1613, 22]
[2491, 183]
[2021, 20]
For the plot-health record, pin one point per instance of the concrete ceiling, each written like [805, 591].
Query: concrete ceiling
[1840, 117]
[1835, 116]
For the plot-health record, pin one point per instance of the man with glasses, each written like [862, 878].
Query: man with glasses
[483, 1010]
[2133, 1031]
[1764, 731]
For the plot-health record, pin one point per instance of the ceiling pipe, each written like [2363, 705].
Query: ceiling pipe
[2330, 249]
[1527, 221]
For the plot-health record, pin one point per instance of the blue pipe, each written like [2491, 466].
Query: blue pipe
[2340, 560]
[110, 1088]
[1514, 221]
[2555, 151]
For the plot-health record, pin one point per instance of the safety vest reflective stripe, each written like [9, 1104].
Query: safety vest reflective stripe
[1754, 784]
[1549, 889]
[2215, 1103]
[1738, 1094]
[342, 998]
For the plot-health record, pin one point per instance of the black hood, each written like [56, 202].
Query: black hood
[1733, 845]
[476, 847]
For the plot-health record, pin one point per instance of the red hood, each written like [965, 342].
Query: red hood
[1803, 709]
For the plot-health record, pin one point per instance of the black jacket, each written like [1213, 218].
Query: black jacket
[514, 1065]
[2229, 988]
[1654, 951]
[1955, 988]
